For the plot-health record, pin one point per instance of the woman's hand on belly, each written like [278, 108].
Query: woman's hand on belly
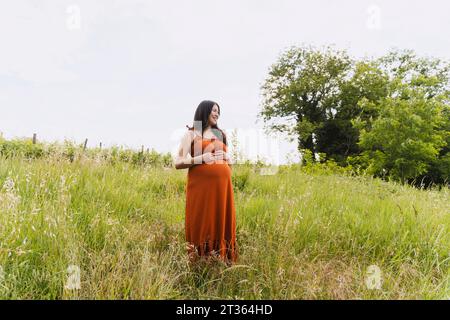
[221, 155]
[208, 158]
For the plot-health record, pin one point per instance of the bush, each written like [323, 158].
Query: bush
[241, 176]
[69, 150]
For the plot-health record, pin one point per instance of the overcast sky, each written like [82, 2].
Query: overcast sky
[132, 72]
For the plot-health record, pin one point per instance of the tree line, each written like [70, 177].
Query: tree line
[388, 116]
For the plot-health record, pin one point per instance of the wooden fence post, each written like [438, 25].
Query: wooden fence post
[85, 144]
[34, 138]
[100, 145]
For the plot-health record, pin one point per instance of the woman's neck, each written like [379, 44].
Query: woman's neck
[208, 131]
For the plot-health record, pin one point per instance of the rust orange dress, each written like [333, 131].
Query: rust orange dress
[210, 221]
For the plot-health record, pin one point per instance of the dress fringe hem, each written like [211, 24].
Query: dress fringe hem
[225, 250]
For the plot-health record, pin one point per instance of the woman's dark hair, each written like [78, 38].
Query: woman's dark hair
[202, 115]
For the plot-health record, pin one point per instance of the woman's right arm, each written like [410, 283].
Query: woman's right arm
[184, 159]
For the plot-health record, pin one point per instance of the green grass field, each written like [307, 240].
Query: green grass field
[301, 235]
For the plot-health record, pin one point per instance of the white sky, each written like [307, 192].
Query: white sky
[132, 72]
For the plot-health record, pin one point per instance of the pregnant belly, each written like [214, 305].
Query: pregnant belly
[215, 170]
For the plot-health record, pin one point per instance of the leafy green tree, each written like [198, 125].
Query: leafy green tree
[405, 139]
[316, 92]
[301, 92]
[338, 138]
[409, 138]
[404, 67]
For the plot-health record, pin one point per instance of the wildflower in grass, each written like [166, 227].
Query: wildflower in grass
[8, 185]
[62, 182]
[43, 186]
[280, 272]
[35, 211]
[9, 197]
[28, 176]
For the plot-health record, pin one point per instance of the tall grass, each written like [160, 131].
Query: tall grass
[300, 235]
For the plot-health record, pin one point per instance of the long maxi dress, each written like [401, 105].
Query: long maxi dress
[210, 221]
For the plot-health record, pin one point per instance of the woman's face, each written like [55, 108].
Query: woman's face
[214, 116]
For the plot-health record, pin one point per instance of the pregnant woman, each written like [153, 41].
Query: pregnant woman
[210, 213]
